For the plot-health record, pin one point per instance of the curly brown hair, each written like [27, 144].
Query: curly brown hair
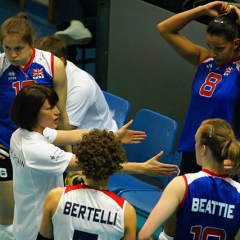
[100, 154]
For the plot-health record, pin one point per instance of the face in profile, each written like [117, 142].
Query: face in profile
[47, 116]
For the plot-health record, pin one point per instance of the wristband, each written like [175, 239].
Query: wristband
[4, 153]
[164, 236]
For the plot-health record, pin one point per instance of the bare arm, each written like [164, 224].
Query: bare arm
[169, 30]
[238, 235]
[151, 167]
[50, 206]
[165, 207]
[60, 86]
[130, 223]
[124, 134]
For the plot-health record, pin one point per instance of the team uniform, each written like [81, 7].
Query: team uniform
[87, 213]
[216, 216]
[6, 232]
[215, 92]
[12, 79]
[86, 105]
[34, 177]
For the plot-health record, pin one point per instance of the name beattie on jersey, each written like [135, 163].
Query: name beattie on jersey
[213, 207]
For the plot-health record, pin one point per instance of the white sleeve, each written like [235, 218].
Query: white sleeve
[50, 134]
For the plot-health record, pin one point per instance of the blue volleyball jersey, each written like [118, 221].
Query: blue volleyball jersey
[12, 79]
[210, 208]
[215, 91]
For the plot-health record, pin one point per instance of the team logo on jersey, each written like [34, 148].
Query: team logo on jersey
[227, 71]
[209, 66]
[38, 73]
[11, 76]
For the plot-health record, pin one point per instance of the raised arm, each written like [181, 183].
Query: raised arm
[169, 29]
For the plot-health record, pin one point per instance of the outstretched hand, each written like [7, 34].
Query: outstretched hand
[155, 168]
[126, 135]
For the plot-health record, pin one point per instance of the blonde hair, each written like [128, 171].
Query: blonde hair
[218, 135]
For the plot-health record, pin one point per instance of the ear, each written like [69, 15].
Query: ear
[203, 150]
[236, 43]
[63, 60]
[32, 42]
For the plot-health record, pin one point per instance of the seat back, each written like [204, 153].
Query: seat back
[161, 134]
[119, 107]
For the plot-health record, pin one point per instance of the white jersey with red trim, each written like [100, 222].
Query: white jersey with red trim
[87, 213]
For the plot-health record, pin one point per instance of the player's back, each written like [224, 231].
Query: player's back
[86, 213]
[210, 207]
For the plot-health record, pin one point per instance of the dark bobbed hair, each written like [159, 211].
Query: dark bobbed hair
[18, 25]
[100, 154]
[225, 25]
[27, 103]
[54, 45]
[218, 135]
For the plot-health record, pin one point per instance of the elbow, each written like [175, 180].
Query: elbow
[142, 236]
[160, 28]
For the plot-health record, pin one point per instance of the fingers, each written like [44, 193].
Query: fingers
[134, 142]
[167, 174]
[159, 155]
[128, 124]
[138, 138]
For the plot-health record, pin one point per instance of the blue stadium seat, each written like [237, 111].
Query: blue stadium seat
[119, 107]
[161, 134]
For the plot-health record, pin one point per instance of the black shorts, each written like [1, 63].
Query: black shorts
[6, 172]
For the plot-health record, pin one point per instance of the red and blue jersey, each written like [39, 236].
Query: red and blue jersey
[12, 79]
[210, 207]
[215, 92]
